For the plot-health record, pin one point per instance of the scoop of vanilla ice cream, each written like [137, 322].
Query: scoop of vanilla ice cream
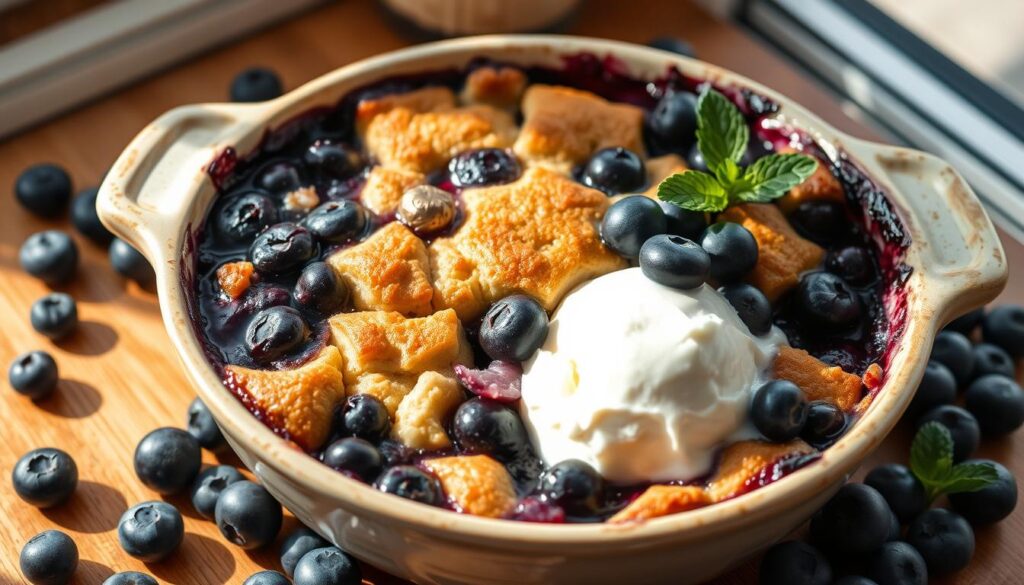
[642, 381]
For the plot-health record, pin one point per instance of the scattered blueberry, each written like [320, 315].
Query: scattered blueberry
[853, 264]
[944, 539]
[86, 220]
[266, 578]
[296, 545]
[673, 122]
[997, 402]
[319, 289]
[333, 160]
[574, 486]
[55, 315]
[897, 563]
[827, 300]
[202, 426]
[732, 248]
[33, 374]
[366, 417]
[991, 359]
[247, 515]
[354, 457]
[938, 387]
[968, 322]
[615, 170]
[485, 166]
[282, 248]
[327, 566]
[991, 503]
[49, 558]
[50, 256]
[821, 221]
[675, 262]
[826, 422]
[45, 477]
[751, 305]
[256, 84]
[855, 521]
[279, 178]
[673, 45]
[779, 410]
[337, 222]
[241, 217]
[412, 483]
[130, 578]
[900, 488]
[151, 531]
[631, 221]
[793, 562]
[1004, 327]
[683, 222]
[129, 262]
[954, 351]
[167, 460]
[43, 189]
[513, 328]
[274, 332]
[483, 426]
[209, 485]
[962, 426]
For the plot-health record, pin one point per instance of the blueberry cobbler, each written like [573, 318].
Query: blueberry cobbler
[550, 295]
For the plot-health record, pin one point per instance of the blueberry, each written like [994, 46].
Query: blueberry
[337, 222]
[853, 264]
[247, 515]
[327, 566]
[991, 359]
[209, 485]
[854, 580]
[45, 477]
[366, 417]
[129, 262]
[266, 578]
[629, 223]
[55, 315]
[282, 248]
[412, 483]
[683, 222]
[751, 305]
[968, 322]
[240, 218]
[333, 160]
[825, 299]
[130, 578]
[732, 248]
[483, 426]
[274, 332]
[855, 521]
[900, 488]
[998, 404]
[821, 221]
[954, 351]
[673, 45]
[354, 457]
[826, 422]
[674, 261]
[938, 387]
[615, 170]
[695, 159]
[318, 289]
[485, 166]
[279, 177]
[574, 485]
[151, 531]
[794, 562]
[962, 426]
[1004, 327]
[513, 329]
[167, 460]
[991, 503]
[202, 426]
[673, 122]
[296, 545]
[256, 84]
[897, 563]
[50, 256]
[394, 453]
[895, 528]
[49, 558]
[86, 220]
[944, 539]
[33, 374]
[43, 189]
[779, 410]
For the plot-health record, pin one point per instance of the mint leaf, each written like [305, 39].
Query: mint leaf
[931, 460]
[722, 132]
[695, 191]
[969, 477]
[771, 176]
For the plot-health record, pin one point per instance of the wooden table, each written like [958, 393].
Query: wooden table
[120, 377]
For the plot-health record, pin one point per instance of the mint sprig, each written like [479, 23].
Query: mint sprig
[931, 460]
[722, 136]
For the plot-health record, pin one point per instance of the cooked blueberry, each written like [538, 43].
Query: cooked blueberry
[968, 322]
[130, 578]
[962, 426]
[615, 170]
[86, 220]
[274, 332]
[45, 477]
[794, 562]
[954, 351]
[991, 503]
[167, 460]
[50, 256]
[209, 485]
[319, 289]
[826, 422]
[366, 417]
[296, 545]
[900, 488]
[683, 222]
[483, 426]
[674, 261]
[673, 45]
[485, 166]
[337, 222]
[751, 305]
[998, 404]
[991, 359]
[827, 300]
[55, 315]
[279, 177]
[202, 426]
[853, 264]
[630, 222]
[695, 159]
[151, 531]
[327, 566]
[855, 521]
[779, 410]
[1004, 327]
[333, 160]
[43, 189]
[282, 248]
[937, 387]
[513, 328]
[732, 248]
[49, 558]
[354, 457]
[574, 485]
[256, 84]
[129, 262]
[394, 453]
[673, 122]
[412, 483]
[241, 217]
[944, 539]
[821, 221]
[897, 563]
[266, 578]
[33, 374]
[247, 515]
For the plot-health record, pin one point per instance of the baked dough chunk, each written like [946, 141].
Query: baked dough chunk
[818, 380]
[420, 417]
[427, 99]
[301, 401]
[820, 186]
[477, 484]
[564, 126]
[235, 277]
[662, 500]
[782, 255]
[537, 236]
[500, 87]
[384, 188]
[742, 462]
[387, 272]
[660, 168]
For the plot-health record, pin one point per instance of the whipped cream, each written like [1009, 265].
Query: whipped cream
[642, 381]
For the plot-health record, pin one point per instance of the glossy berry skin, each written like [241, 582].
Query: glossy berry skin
[962, 425]
[45, 477]
[167, 460]
[130, 578]
[412, 483]
[485, 166]
[240, 218]
[256, 84]
[574, 486]
[266, 578]
[826, 422]
[247, 515]
[944, 539]
[274, 332]
[33, 374]
[900, 488]
[854, 580]
[673, 45]
[282, 248]
[794, 562]
[631, 221]
[366, 417]
[327, 566]
[151, 531]
[55, 315]
[968, 322]
[279, 178]
[614, 170]
[200, 424]
[823, 222]
[855, 521]
[990, 504]
[673, 122]
[43, 189]
[129, 262]
[49, 558]
[50, 256]
[938, 387]
[991, 359]
[683, 222]
[296, 545]
[954, 351]
[732, 248]
[828, 301]
[751, 305]
[779, 410]
[675, 262]
[1004, 327]
[209, 485]
[513, 328]
[897, 563]
[997, 402]
[332, 160]
[318, 289]
[86, 220]
[337, 222]
[354, 457]
[483, 426]
[853, 264]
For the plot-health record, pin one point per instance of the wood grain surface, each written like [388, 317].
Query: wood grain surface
[120, 378]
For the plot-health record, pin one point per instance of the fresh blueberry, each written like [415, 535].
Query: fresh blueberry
[991, 359]
[50, 256]
[86, 220]
[167, 460]
[366, 417]
[513, 328]
[732, 248]
[991, 503]
[674, 261]
[779, 410]
[279, 177]
[55, 315]
[1004, 327]
[412, 483]
[673, 122]
[821, 221]
[997, 402]
[944, 539]
[209, 485]
[337, 222]
[296, 545]
[129, 262]
[485, 166]
[151, 531]
[900, 488]
[282, 248]
[483, 426]
[615, 170]
[247, 515]
[574, 485]
[826, 422]
[256, 84]
[332, 160]
[266, 578]
[202, 426]
[954, 351]
[683, 222]
[33, 374]
[855, 521]
[895, 528]
[962, 426]
[319, 289]
[130, 578]
[794, 562]
[938, 387]
[897, 563]
[43, 189]
[751, 305]
[274, 332]
[45, 477]
[240, 218]
[968, 322]
[673, 45]
[828, 301]
[49, 558]
[853, 264]
[354, 457]
[327, 566]
[630, 222]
